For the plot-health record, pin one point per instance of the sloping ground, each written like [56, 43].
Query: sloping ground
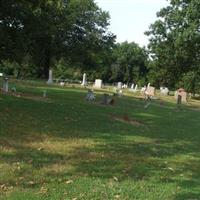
[67, 148]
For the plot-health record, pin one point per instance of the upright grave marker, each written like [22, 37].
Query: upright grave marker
[5, 84]
[84, 82]
[50, 80]
[98, 83]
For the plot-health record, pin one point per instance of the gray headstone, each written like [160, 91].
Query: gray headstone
[50, 80]
[90, 96]
[5, 85]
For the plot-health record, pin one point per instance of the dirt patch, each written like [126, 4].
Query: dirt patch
[127, 119]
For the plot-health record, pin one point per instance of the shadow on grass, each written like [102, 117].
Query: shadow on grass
[118, 151]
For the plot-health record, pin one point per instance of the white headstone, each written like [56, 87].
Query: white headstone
[50, 80]
[84, 82]
[98, 83]
[1, 74]
[119, 85]
[136, 87]
[62, 83]
[132, 86]
[164, 91]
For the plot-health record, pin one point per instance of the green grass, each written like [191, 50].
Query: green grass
[67, 148]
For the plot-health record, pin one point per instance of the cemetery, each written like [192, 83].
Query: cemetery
[56, 138]
[100, 100]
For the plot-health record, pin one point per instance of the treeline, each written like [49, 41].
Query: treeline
[72, 37]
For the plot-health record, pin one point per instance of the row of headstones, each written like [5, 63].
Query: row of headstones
[180, 94]
[148, 90]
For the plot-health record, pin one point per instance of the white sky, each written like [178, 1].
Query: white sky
[131, 18]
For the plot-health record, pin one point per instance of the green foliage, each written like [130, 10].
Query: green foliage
[175, 42]
[47, 31]
[129, 63]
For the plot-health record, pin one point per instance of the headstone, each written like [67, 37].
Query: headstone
[90, 96]
[164, 91]
[149, 92]
[98, 83]
[107, 100]
[44, 93]
[179, 99]
[5, 85]
[62, 83]
[50, 80]
[183, 95]
[1, 74]
[119, 85]
[143, 89]
[124, 86]
[132, 86]
[136, 87]
[120, 93]
[84, 82]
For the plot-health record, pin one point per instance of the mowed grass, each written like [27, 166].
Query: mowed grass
[63, 147]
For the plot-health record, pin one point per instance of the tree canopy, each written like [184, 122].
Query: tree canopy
[41, 32]
[175, 45]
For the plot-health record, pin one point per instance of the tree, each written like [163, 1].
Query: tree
[53, 29]
[175, 43]
[129, 63]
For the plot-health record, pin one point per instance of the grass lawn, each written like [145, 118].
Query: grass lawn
[63, 147]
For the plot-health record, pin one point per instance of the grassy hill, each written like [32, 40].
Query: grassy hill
[63, 147]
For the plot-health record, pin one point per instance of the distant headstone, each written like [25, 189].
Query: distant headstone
[149, 92]
[44, 93]
[181, 92]
[62, 83]
[5, 85]
[136, 87]
[143, 89]
[50, 80]
[124, 86]
[98, 83]
[179, 99]
[90, 95]
[107, 100]
[120, 93]
[132, 86]
[1, 74]
[119, 85]
[84, 82]
[164, 91]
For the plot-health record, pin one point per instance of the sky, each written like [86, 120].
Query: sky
[131, 18]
